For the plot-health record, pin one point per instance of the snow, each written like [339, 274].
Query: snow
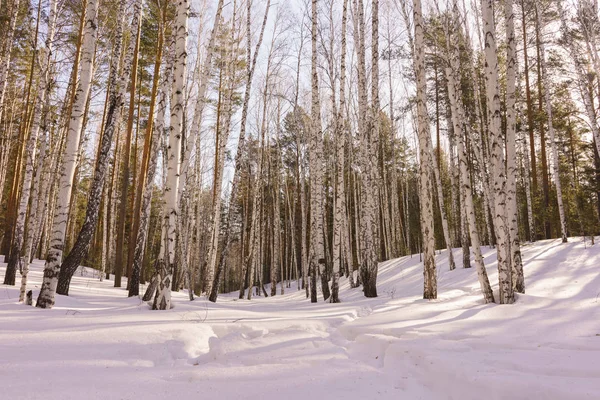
[98, 344]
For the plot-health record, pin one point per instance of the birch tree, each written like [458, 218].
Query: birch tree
[41, 109]
[44, 59]
[118, 85]
[459, 124]
[70, 156]
[511, 150]
[339, 248]
[162, 300]
[425, 151]
[497, 154]
[316, 255]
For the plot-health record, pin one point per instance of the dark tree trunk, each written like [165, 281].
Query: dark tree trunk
[81, 246]
[151, 289]
[325, 285]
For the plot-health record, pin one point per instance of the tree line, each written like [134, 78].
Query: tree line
[215, 146]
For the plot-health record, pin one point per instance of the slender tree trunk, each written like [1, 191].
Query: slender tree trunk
[222, 130]
[241, 149]
[116, 99]
[339, 248]
[148, 139]
[544, 158]
[129, 75]
[511, 151]
[426, 163]
[41, 108]
[530, 123]
[497, 154]
[53, 261]
[548, 103]
[316, 255]
[441, 203]
[24, 165]
[162, 300]
[459, 123]
[155, 131]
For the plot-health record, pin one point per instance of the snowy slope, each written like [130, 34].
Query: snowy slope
[97, 344]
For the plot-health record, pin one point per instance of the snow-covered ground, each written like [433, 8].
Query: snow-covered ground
[98, 344]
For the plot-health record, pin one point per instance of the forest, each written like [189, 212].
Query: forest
[262, 147]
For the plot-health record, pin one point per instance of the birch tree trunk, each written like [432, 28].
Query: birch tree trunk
[67, 170]
[41, 108]
[465, 181]
[459, 125]
[113, 116]
[316, 255]
[33, 223]
[369, 152]
[425, 150]
[162, 300]
[339, 248]
[511, 150]
[497, 154]
[37, 200]
[44, 58]
[548, 103]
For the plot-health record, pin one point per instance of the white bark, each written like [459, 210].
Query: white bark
[511, 151]
[44, 59]
[465, 181]
[162, 301]
[316, 255]
[339, 234]
[33, 221]
[497, 154]
[425, 149]
[459, 123]
[70, 156]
